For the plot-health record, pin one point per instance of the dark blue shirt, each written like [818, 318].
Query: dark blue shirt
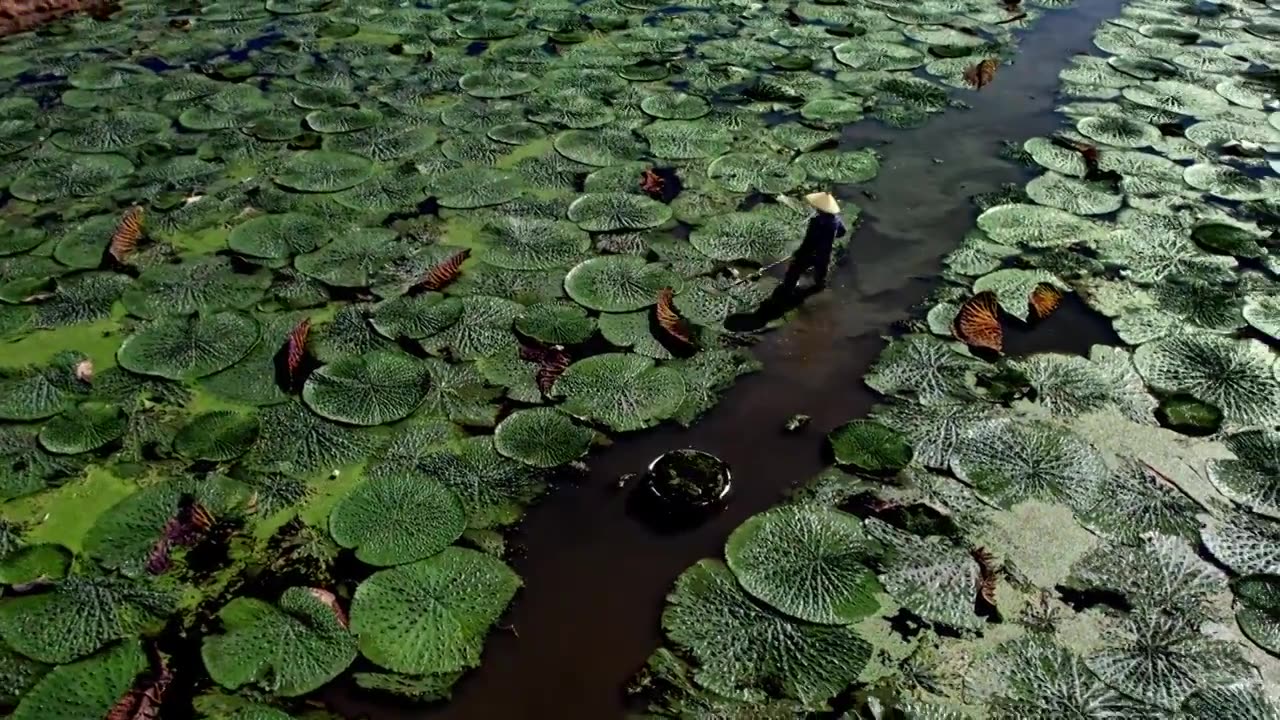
[823, 230]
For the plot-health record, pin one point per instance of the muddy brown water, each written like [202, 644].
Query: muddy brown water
[595, 576]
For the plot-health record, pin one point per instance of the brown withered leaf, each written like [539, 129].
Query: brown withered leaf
[981, 74]
[978, 322]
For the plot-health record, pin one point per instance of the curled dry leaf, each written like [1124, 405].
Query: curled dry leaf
[978, 322]
[1045, 298]
[443, 273]
[986, 574]
[651, 183]
[125, 239]
[158, 561]
[295, 349]
[980, 75]
[143, 700]
[551, 361]
[670, 320]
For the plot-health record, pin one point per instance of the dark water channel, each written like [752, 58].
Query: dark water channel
[595, 577]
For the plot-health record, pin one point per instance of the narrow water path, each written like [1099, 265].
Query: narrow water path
[595, 576]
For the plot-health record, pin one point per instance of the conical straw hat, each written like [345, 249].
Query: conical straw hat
[823, 202]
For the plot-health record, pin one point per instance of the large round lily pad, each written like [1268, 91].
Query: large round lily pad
[740, 646]
[86, 427]
[431, 616]
[397, 519]
[807, 561]
[218, 436]
[617, 283]
[1010, 461]
[117, 131]
[199, 285]
[473, 187]
[62, 176]
[280, 235]
[78, 616]
[189, 347]
[289, 649]
[541, 437]
[324, 171]
[530, 243]
[622, 391]
[756, 236]
[371, 389]
[1235, 376]
[605, 212]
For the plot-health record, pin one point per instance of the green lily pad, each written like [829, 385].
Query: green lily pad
[1233, 375]
[324, 171]
[740, 647]
[606, 212]
[541, 437]
[473, 187]
[218, 436]
[89, 688]
[431, 616]
[280, 235]
[397, 519]
[189, 347]
[204, 285]
[86, 427]
[370, 389]
[290, 649]
[556, 323]
[61, 176]
[870, 446]
[805, 561]
[78, 616]
[115, 132]
[622, 391]
[755, 236]
[617, 283]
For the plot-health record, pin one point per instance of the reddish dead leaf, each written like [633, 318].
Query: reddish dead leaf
[980, 75]
[1087, 151]
[986, 574]
[295, 348]
[651, 183]
[143, 700]
[125, 239]
[443, 273]
[978, 322]
[1045, 298]
[551, 362]
[158, 562]
[669, 319]
[189, 523]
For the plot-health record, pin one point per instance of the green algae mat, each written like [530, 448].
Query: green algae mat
[303, 302]
[1049, 535]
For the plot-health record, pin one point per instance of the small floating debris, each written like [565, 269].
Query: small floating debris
[796, 423]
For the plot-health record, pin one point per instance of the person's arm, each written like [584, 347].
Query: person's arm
[840, 228]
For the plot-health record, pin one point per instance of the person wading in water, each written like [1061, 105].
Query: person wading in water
[815, 251]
